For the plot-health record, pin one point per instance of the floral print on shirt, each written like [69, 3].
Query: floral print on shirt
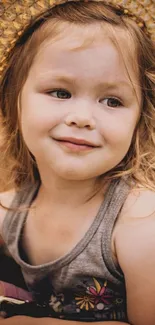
[90, 299]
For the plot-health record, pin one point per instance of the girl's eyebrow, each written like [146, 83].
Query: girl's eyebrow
[118, 85]
[69, 79]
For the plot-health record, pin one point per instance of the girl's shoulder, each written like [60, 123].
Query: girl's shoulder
[134, 242]
[137, 211]
[140, 203]
[6, 199]
[134, 231]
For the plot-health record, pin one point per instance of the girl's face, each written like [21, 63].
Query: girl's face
[79, 109]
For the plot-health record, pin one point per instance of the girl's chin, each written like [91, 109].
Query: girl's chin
[71, 176]
[77, 174]
[69, 173]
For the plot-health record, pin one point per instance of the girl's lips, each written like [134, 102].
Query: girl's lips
[75, 146]
[78, 141]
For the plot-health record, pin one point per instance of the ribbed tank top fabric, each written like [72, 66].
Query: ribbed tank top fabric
[90, 261]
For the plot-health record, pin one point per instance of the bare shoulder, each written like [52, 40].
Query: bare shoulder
[5, 202]
[134, 242]
[140, 203]
[136, 221]
[134, 232]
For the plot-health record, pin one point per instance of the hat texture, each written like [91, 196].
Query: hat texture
[15, 15]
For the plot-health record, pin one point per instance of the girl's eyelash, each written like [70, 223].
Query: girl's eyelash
[67, 92]
[119, 102]
[57, 89]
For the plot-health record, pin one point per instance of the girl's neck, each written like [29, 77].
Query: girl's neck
[58, 191]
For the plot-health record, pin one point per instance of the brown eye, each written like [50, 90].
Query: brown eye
[112, 102]
[60, 93]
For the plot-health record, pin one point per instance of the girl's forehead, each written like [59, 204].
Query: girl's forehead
[77, 37]
[71, 57]
[94, 42]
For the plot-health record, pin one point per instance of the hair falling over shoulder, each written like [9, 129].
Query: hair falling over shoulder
[17, 165]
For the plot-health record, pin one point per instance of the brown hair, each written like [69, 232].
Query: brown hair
[18, 166]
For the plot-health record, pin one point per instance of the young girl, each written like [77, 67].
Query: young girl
[78, 110]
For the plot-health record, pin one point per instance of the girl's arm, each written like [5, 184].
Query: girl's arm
[134, 239]
[24, 320]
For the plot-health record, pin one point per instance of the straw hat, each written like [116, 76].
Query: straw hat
[15, 15]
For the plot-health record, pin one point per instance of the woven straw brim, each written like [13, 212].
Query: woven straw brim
[16, 15]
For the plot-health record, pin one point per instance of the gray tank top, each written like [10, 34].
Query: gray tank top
[85, 284]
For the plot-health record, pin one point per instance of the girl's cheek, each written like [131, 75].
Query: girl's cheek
[116, 126]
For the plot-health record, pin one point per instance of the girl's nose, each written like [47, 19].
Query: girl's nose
[81, 119]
